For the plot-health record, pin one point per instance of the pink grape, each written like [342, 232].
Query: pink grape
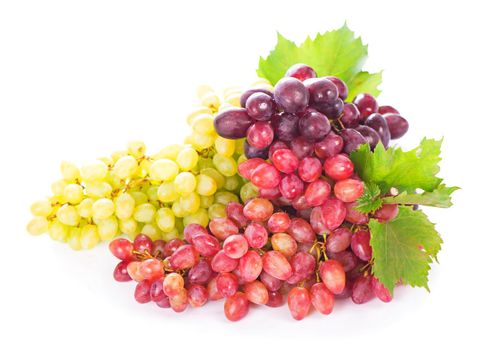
[179, 301]
[338, 167]
[193, 230]
[256, 293]
[158, 248]
[250, 266]
[284, 243]
[366, 104]
[338, 240]
[330, 146]
[142, 243]
[142, 292]
[156, 291]
[291, 186]
[206, 245]
[317, 192]
[278, 222]
[301, 147]
[329, 216]
[332, 274]
[276, 265]
[222, 263]
[197, 295]
[348, 190]
[354, 216]
[346, 258]
[265, 176]
[301, 230]
[276, 145]
[236, 307]
[227, 284]
[173, 283]
[246, 168]
[120, 272]
[258, 209]
[172, 246]
[235, 246]
[360, 244]
[272, 284]
[234, 212]
[121, 248]
[223, 228]
[151, 269]
[387, 212]
[133, 269]
[322, 299]
[269, 193]
[256, 235]
[184, 257]
[362, 290]
[301, 71]
[212, 291]
[381, 291]
[303, 265]
[285, 161]
[276, 299]
[200, 273]
[309, 169]
[299, 302]
[260, 135]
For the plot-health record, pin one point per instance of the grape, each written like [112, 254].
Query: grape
[205, 185]
[270, 193]
[121, 248]
[260, 135]
[313, 125]
[387, 212]
[348, 259]
[360, 244]
[276, 299]
[200, 273]
[309, 169]
[260, 106]
[370, 135]
[227, 284]
[339, 167]
[246, 168]
[340, 85]
[142, 243]
[235, 246]
[299, 302]
[380, 291]
[387, 109]
[271, 283]
[348, 190]
[223, 228]
[232, 123]
[333, 275]
[330, 146]
[265, 176]
[151, 269]
[317, 192]
[179, 302]
[291, 186]
[245, 96]
[222, 263]
[206, 244]
[284, 243]
[258, 209]
[332, 110]
[277, 145]
[171, 246]
[338, 240]
[142, 292]
[354, 216]
[366, 104]
[256, 235]
[184, 257]
[379, 124]
[351, 116]
[352, 139]
[301, 147]
[213, 293]
[173, 284]
[256, 293]
[301, 230]
[301, 71]
[285, 160]
[276, 265]
[235, 213]
[120, 272]
[322, 91]
[134, 272]
[285, 126]
[303, 265]
[291, 95]
[156, 291]
[197, 295]
[278, 222]
[362, 290]
[397, 125]
[236, 307]
[322, 299]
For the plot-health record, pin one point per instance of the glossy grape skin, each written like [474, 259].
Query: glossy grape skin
[366, 104]
[250, 266]
[291, 95]
[164, 303]
[276, 299]
[158, 248]
[291, 186]
[301, 147]
[156, 291]
[354, 216]
[245, 169]
[245, 96]
[223, 228]
[346, 258]
[227, 284]
[352, 139]
[142, 292]
[301, 71]
[276, 265]
[212, 291]
[232, 123]
[301, 231]
[236, 307]
[379, 124]
[256, 235]
[152, 269]
[200, 273]
[370, 135]
[330, 146]
[260, 106]
[387, 109]
[272, 284]
[184, 257]
[254, 152]
[235, 246]
[265, 176]
[256, 293]
[339, 167]
[332, 275]
[284, 243]
[340, 85]
[303, 265]
[332, 110]
[121, 248]
[380, 291]
[276, 145]
[260, 135]
[197, 295]
[173, 283]
[309, 169]
[351, 116]
[322, 299]
[362, 290]
[348, 190]
[222, 263]
[317, 192]
[120, 272]
[397, 125]
[179, 302]
[278, 222]
[235, 213]
[258, 209]
[285, 161]
[299, 302]
[206, 245]
[338, 240]
[386, 212]
[313, 125]
[285, 126]
[172, 246]
[360, 244]
[142, 243]
[270, 193]
[321, 91]
[133, 270]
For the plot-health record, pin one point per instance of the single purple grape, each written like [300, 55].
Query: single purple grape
[332, 110]
[321, 91]
[351, 116]
[285, 126]
[370, 135]
[397, 125]
[291, 95]
[260, 106]
[352, 139]
[313, 125]
[301, 71]
[232, 123]
[379, 124]
[249, 92]
[341, 86]
[253, 152]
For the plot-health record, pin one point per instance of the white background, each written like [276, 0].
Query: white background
[78, 79]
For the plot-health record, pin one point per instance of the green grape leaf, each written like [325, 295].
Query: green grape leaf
[337, 52]
[404, 248]
[370, 200]
[393, 167]
[440, 197]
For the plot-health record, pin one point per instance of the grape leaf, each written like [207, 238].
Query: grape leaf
[336, 52]
[404, 248]
[393, 167]
[440, 197]
[370, 200]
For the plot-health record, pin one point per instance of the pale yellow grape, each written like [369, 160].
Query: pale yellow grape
[139, 197]
[240, 146]
[96, 171]
[216, 175]
[200, 141]
[69, 171]
[234, 99]
[204, 163]
[74, 238]
[152, 193]
[232, 183]
[225, 197]
[103, 208]
[203, 90]
[184, 183]
[206, 186]
[163, 170]
[151, 231]
[200, 217]
[200, 110]
[190, 203]
[178, 210]
[165, 219]
[187, 159]
[225, 165]
[143, 168]
[124, 206]
[128, 226]
[206, 201]
[118, 154]
[58, 187]
[58, 231]
[248, 191]
[68, 215]
[89, 237]
[211, 100]
[116, 183]
[98, 189]
[41, 208]
[225, 147]
[125, 167]
[85, 208]
[108, 228]
[73, 193]
[167, 192]
[203, 124]
[37, 225]
[137, 149]
[168, 152]
[107, 160]
[217, 210]
[167, 236]
[144, 212]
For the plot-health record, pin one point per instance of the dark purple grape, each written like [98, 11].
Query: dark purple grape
[330, 146]
[249, 92]
[301, 147]
[366, 104]
[233, 123]
[397, 125]
[260, 106]
[321, 91]
[301, 71]
[387, 109]
[379, 124]
[285, 126]
[291, 95]
[352, 139]
[313, 125]
[332, 110]
[341, 86]
[370, 135]
[253, 152]
[351, 116]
